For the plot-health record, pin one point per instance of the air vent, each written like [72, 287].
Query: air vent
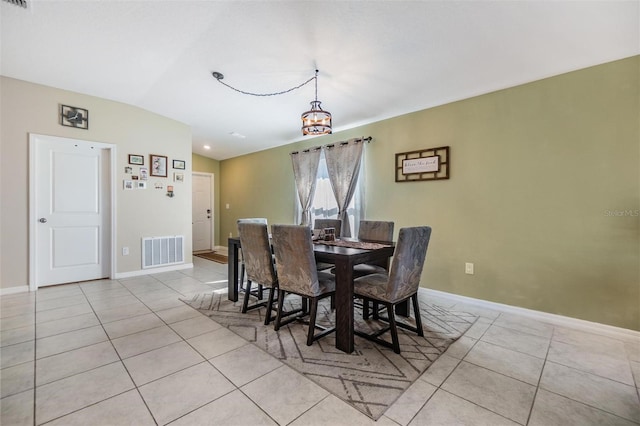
[21, 3]
[162, 251]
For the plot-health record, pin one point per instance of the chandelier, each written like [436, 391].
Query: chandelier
[316, 121]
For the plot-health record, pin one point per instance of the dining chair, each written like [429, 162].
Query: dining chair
[373, 230]
[398, 285]
[327, 223]
[297, 274]
[242, 267]
[258, 261]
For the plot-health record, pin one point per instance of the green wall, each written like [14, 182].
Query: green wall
[538, 173]
[208, 165]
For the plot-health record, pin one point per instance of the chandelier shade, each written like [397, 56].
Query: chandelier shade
[316, 121]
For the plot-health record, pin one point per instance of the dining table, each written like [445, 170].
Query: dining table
[343, 254]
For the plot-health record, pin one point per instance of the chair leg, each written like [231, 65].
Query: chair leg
[365, 309]
[276, 326]
[416, 311]
[393, 329]
[242, 276]
[376, 311]
[260, 292]
[267, 318]
[245, 300]
[312, 321]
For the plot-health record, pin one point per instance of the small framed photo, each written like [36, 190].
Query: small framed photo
[144, 173]
[128, 170]
[178, 177]
[142, 185]
[136, 159]
[179, 164]
[128, 184]
[158, 165]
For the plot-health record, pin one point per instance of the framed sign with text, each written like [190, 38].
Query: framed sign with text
[423, 164]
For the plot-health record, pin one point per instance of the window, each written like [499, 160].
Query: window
[324, 203]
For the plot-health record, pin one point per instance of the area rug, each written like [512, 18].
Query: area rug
[212, 255]
[372, 377]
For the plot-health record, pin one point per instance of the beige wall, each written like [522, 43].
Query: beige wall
[30, 108]
[209, 165]
[535, 169]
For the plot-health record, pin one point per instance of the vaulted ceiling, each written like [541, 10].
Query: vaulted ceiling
[377, 59]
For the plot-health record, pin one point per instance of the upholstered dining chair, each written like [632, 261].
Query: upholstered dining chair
[258, 262]
[373, 230]
[398, 285]
[242, 267]
[297, 274]
[327, 223]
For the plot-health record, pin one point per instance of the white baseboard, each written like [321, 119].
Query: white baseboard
[575, 323]
[14, 290]
[150, 271]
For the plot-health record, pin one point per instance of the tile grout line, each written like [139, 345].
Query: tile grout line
[544, 365]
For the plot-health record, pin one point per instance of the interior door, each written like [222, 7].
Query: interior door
[202, 212]
[71, 211]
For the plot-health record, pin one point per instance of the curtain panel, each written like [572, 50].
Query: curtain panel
[343, 164]
[305, 171]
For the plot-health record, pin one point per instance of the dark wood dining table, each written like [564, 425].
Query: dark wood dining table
[344, 258]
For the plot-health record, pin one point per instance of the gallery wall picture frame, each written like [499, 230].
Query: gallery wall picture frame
[178, 177]
[158, 164]
[179, 164]
[138, 160]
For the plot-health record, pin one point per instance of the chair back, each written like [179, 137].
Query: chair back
[295, 260]
[408, 261]
[328, 223]
[256, 250]
[375, 230]
[253, 220]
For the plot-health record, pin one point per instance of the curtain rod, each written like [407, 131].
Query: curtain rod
[315, 148]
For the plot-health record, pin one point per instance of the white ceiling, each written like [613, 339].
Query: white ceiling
[377, 59]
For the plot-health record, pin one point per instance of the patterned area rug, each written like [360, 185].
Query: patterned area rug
[216, 257]
[372, 377]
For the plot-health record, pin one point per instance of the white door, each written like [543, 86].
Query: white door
[202, 211]
[70, 210]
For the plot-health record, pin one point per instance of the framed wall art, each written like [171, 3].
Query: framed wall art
[179, 164]
[136, 159]
[423, 164]
[74, 117]
[158, 165]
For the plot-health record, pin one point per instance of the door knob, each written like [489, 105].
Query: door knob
[42, 220]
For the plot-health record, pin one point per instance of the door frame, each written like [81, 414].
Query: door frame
[212, 178]
[33, 213]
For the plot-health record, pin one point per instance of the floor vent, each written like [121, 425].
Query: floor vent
[162, 251]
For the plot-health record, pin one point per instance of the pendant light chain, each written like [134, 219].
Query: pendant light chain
[316, 121]
[219, 77]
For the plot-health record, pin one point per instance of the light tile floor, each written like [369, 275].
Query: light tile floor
[116, 352]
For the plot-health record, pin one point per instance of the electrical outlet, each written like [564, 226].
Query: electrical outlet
[227, 206]
[230, 235]
[125, 251]
[468, 268]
